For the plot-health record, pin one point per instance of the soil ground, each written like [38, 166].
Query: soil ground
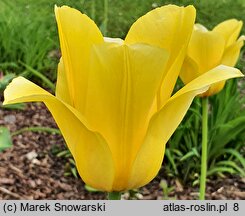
[31, 170]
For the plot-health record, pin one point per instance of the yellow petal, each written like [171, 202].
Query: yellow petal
[213, 89]
[122, 107]
[90, 151]
[168, 27]
[62, 89]
[189, 70]
[200, 27]
[77, 35]
[114, 40]
[164, 123]
[232, 53]
[123, 82]
[206, 49]
[230, 30]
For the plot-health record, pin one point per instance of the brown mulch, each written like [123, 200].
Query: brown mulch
[31, 169]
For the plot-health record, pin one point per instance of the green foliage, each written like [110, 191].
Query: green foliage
[5, 80]
[70, 166]
[227, 129]
[37, 129]
[226, 138]
[18, 106]
[166, 189]
[25, 37]
[90, 189]
[5, 139]
[29, 34]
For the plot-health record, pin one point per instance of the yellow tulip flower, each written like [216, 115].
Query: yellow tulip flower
[112, 102]
[208, 49]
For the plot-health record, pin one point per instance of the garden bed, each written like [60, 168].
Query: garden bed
[31, 169]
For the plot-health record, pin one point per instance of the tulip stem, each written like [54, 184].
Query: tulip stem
[114, 196]
[204, 148]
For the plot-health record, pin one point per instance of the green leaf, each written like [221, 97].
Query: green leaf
[5, 139]
[195, 182]
[39, 75]
[5, 80]
[90, 189]
[63, 153]
[74, 172]
[171, 160]
[190, 154]
[177, 152]
[236, 154]
[163, 184]
[196, 112]
[226, 133]
[71, 160]
[18, 106]
[232, 164]
[220, 169]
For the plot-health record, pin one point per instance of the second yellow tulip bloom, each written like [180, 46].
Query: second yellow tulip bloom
[209, 49]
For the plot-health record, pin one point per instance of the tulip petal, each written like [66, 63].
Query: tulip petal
[123, 82]
[200, 27]
[230, 30]
[114, 40]
[168, 27]
[232, 53]
[206, 49]
[62, 89]
[189, 70]
[164, 123]
[213, 89]
[77, 33]
[91, 153]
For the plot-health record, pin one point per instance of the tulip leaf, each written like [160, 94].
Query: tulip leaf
[5, 139]
[74, 172]
[18, 106]
[39, 75]
[190, 154]
[220, 169]
[232, 164]
[227, 132]
[90, 189]
[171, 160]
[5, 80]
[234, 153]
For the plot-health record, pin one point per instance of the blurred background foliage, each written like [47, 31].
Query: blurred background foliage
[28, 35]
[29, 46]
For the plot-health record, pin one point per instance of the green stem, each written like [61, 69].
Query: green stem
[204, 148]
[37, 129]
[114, 196]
